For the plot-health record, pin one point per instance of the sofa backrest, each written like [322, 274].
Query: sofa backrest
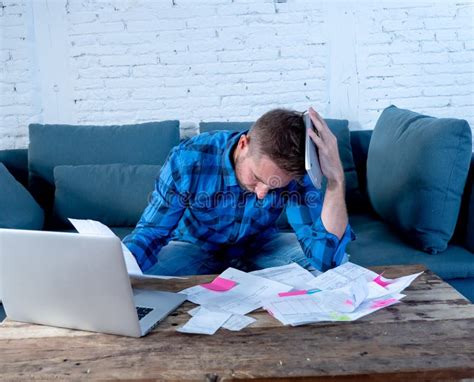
[54, 145]
[205, 127]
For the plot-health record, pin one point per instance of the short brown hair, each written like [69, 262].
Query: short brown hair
[280, 135]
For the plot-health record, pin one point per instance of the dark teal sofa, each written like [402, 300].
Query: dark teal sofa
[96, 151]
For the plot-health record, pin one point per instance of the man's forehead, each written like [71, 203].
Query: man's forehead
[267, 168]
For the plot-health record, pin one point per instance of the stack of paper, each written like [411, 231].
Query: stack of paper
[346, 293]
[292, 295]
[306, 309]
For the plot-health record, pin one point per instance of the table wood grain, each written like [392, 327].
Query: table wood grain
[430, 335]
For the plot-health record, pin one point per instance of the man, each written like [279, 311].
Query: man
[219, 195]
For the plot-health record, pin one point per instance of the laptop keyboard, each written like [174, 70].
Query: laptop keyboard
[142, 312]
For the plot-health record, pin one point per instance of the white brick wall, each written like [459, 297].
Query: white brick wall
[418, 57]
[17, 75]
[104, 61]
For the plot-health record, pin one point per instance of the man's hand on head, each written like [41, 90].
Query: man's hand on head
[328, 151]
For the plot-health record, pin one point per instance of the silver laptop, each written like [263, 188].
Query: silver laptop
[76, 281]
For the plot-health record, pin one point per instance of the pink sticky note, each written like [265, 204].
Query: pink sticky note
[219, 284]
[349, 302]
[381, 282]
[382, 303]
[292, 293]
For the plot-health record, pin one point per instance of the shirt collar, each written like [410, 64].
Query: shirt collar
[230, 177]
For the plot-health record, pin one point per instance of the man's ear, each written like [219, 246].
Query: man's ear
[244, 142]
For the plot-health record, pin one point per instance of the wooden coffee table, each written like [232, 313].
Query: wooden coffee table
[430, 335]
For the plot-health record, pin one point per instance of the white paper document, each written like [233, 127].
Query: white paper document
[340, 276]
[292, 274]
[235, 322]
[302, 308]
[347, 293]
[93, 227]
[205, 322]
[299, 310]
[345, 299]
[346, 273]
[246, 296]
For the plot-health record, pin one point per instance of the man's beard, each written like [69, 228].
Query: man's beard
[238, 167]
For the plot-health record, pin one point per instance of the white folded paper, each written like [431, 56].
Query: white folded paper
[235, 322]
[205, 322]
[292, 274]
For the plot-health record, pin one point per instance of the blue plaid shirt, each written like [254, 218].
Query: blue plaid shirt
[197, 199]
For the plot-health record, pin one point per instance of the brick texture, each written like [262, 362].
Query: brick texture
[17, 76]
[233, 60]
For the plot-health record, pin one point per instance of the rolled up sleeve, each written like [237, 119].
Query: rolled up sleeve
[160, 217]
[323, 249]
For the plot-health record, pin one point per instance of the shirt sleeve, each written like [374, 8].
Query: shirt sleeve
[323, 249]
[161, 216]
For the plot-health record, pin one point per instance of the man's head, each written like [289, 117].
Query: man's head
[272, 153]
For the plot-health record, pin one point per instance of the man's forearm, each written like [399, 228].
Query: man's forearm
[334, 212]
[145, 243]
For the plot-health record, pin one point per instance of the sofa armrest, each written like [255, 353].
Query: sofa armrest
[465, 226]
[16, 161]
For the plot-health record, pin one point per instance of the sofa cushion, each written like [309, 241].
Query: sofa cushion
[114, 194]
[55, 145]
[16, 161]
[416, 171]
[464, 286]
[206, 127]
[18, 209]
[379, 244]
